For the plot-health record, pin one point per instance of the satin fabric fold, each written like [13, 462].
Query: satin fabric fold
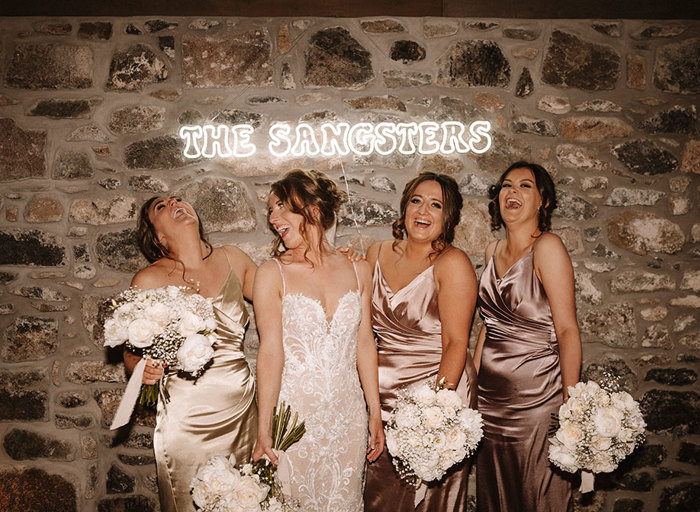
[213, 414]
[409, 333]
[519, 389]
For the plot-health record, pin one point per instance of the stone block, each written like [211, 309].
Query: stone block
[43, 209]
[439, 27]
[136, 119]
[676, 67]
[680, 498]
[64, 109]
[135, 67]
[335, 59]
[54, 28]
[79, 421]
[394, 79]
[127, 504]
[594, 129]
[163, 152]
[71, 165]
[147, 183]
[22, 152]
[611, 324]
[243, 59]
[632, 281]
[30, 338]
[119, 482]
[474, 63]
[574, 207]
[72, 399]
[691, 280]
[382, 26]
[527, 124]
[97, 212]
[407, 51]
[391, 103]
[50, 66]
[473, 234]
[84, 372]
[641, 233]
[23, 395]
[677, 119]
[570, 61]
[689, 453]
[621, 196]
[672, 376]
[690, 161]
[23, 444]
[137, 460]
[222, 204]
[365, 212]
[525, 33]
[636, 72]
[678, 411]
[95, 30]
[36, 490]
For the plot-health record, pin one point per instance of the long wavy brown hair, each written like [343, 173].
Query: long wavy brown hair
[451, 207]
[301, 191]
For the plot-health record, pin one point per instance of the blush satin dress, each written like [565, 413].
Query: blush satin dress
[407, 326]
[519, 389]
[213, 414]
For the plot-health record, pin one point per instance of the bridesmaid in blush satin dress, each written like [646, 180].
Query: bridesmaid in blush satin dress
[215, 413]
[423, 298]
[529, 349]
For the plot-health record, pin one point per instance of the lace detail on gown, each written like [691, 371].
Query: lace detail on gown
[320, 381]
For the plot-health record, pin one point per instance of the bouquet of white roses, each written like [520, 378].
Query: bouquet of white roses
[429, 431]
[168, 325]
[597, 429]
[219, 486]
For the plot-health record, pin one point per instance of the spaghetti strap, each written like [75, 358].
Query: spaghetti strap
[357, 277]
[284, 284]
[227, 259]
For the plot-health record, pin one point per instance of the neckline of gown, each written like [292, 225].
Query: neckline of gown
[492, 261]
[320, 304]
[393, 293]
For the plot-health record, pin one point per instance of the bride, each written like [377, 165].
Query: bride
[317, 352]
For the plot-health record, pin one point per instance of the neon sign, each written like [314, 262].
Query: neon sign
[339, 139]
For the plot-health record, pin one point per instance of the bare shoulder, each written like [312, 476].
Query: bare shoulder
[549, 245]
[236, 254]
[150, 277]
[268, 270]
[453, 260]
[373, 252]
[364, 271]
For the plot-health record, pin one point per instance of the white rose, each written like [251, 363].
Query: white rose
[455, 438]
[470, 419]
[141, 332]
[274, 506]
[406, 418]
[563, 457]
[449, 398]
[575, 408]
[190, 323]
[569, 434]
[217, 476]
[424, 395]
[433, 417]
[608, 421]
[158, 313]
[249, 493]
[602, 463]
[210, 323]
[600, 443]
[194, 353]
[114, 333]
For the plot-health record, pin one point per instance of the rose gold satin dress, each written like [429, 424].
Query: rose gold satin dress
[407, 325]
[519, 388]
[213, 414]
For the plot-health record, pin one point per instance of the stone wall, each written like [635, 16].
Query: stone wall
[89, 116]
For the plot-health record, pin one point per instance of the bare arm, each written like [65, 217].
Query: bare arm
[367, 366]
[456, 282]
[553, 267]
[143, 280]
[267, 301]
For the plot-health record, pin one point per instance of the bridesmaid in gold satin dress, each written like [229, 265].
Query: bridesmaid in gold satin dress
[423, 299]
[215, 413]
[529, 350]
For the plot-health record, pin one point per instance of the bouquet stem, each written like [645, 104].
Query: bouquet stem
[149, 394]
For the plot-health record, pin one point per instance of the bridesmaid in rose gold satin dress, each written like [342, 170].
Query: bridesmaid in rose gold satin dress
[423, 299]
[529, 350]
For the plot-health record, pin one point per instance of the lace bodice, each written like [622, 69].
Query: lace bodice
[320, 381]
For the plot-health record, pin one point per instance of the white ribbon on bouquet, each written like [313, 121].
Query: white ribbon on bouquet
[131, 394]
[587, 481]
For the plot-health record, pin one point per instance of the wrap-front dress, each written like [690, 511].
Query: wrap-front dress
[519, 389]
[213, 414]
[409, 332]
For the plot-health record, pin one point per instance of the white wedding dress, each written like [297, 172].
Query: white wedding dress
[321, 383]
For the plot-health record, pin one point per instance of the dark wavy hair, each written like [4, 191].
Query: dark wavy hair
[451, 207]
[300, 191]
[147, 237]
[545, 186]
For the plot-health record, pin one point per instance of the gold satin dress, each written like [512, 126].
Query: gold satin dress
[408, 328]
[213, 414]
